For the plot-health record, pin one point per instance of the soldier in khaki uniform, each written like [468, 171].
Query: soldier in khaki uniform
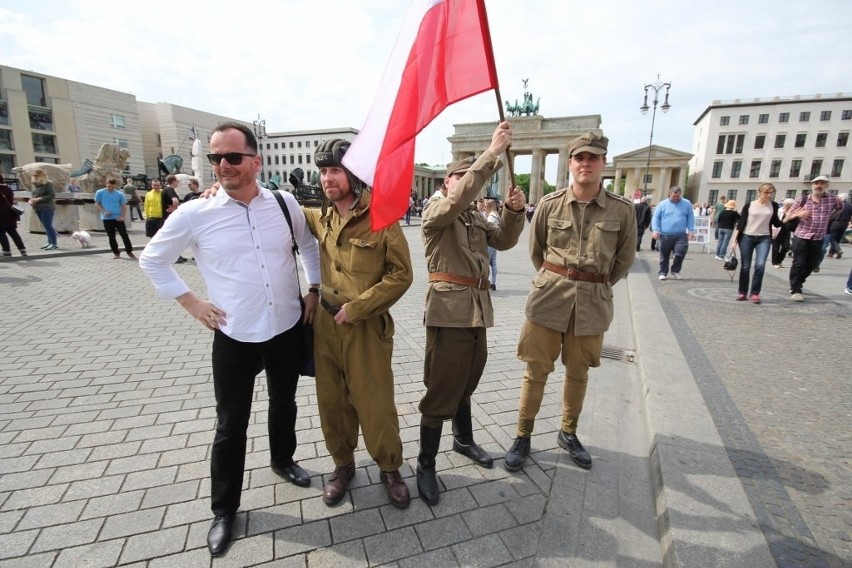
[363, 274]
[582, 241]
[458, 304]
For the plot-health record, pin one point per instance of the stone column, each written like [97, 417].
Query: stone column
[681, 178]
[562, 169]
[637, 178]
[536, 175]
[503, 181]
[616, 181]
[664, 180]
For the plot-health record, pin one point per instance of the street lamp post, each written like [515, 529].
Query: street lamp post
[655, 87]
[260, 133]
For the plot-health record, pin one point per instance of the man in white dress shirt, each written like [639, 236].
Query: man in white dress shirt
[241, 243]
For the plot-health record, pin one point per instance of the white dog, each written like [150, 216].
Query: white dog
[83, 237]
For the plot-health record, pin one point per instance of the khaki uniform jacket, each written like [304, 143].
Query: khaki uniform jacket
[368, 271]
[598, 237]
[456, 239]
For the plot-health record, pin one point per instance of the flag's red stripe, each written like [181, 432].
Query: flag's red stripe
[450, 60]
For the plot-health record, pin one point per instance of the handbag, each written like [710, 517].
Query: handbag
[17, 210]
[308, 367]
[731, 265]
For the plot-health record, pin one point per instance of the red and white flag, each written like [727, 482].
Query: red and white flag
[443, 55]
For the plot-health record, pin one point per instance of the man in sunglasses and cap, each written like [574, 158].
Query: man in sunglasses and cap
[582, 241]
[241, 242]
[458, 303]
[364, 273]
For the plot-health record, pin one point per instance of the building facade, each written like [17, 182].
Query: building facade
[283, 152]
[786, 141]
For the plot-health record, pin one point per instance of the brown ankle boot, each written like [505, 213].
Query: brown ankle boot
[334, 491]
[397, 489]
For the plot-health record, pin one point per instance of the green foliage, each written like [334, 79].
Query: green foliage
[523, 181]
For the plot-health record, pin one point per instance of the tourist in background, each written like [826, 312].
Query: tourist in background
[726, 222]
[754, 235]
[43, 201]
[9, 221]
[781, 236]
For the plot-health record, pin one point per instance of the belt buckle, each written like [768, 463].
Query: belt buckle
[572, 273]
[481, 283]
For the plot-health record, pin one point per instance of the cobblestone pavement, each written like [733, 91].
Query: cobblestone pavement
[107, 414]
[775, 377]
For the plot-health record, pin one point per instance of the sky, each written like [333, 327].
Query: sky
[312, 64]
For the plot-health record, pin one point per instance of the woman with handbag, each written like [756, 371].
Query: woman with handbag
[754, 235]
[43, 200]
[9, 221]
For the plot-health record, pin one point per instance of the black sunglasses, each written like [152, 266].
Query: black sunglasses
[233, 158]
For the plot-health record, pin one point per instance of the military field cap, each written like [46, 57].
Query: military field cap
[460, 166]
[589, 142]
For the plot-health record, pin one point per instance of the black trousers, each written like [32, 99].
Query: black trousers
[235, 366]
[4, 240]
[780, 245]
[806, 255]
[111, 226]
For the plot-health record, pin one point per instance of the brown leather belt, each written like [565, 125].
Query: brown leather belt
[481, 283]
[574, 274]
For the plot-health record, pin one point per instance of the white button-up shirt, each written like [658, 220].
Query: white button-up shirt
[245, 256]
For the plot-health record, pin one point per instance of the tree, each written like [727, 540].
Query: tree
[523, 181]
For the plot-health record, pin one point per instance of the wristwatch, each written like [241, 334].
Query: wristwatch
[313, 291]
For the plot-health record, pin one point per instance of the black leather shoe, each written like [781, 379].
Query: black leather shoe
[475, 452]
[294, 474]
[517, 454]
[576, 451]
[219, 535]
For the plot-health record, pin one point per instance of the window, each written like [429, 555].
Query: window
[268, 146]
[121, 143]
[725, 121]
[846, 115]
[754, 172]
[763, 119]
[780, 139]
[316, 143]
[743, 119]
[795, 168]
[291, 145]
[784, 117]
[837, 168]
[277, 161]
[44, 144]
[816, 168]
[159, 140]
[730, 144]
[648, 178]
[41, 118]
[34, 88]
[791, 194]
[717, 169]
[735, 168]
[804, 116]
[46, 160]
[732, 194]
[300, 156]
[307, 158]
[713, 197]
[800, 140]
[751, 195]
[6, 140]
[775, 168]
[4, 113]
[117, 121]
[821, 138]
[268, 160]
[825, 115]
[292, 158]
[759, 141]
[275, 145]
[740, 142]
[7, 162]
[720, 145]
[842, 139]
[299, 144]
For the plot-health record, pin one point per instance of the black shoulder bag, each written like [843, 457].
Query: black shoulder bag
[307, 368]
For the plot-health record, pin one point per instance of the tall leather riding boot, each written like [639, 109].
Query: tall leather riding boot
[463, 438]
[427, 482]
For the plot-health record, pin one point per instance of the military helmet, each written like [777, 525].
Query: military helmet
[330, 154]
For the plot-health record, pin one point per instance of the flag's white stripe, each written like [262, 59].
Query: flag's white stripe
[362, 156]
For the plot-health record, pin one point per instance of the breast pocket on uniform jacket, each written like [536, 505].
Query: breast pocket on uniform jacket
[605, 235]
[559, 233]
[363, 256]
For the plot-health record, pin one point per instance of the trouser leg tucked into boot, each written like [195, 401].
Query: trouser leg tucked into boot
[427, 481]
[463, 438]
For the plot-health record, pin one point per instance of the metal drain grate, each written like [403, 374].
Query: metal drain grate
[617, 353]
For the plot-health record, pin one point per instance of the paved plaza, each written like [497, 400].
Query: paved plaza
[719, 432]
